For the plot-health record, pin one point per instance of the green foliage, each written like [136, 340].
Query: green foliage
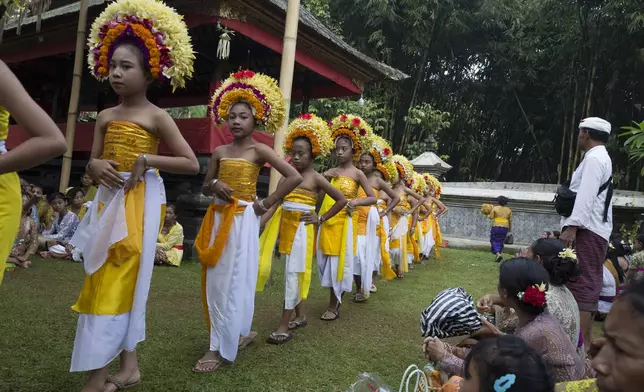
[199, 111]
[635, 141]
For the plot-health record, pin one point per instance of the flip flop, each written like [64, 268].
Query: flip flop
[201, 362]
[373, 289]
[279, 337]
[499, 259]
[121, 385]
[293, 325]
[335, 313]
[246, 341]
[359, 298]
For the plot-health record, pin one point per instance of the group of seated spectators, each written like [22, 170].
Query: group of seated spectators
[49, 222]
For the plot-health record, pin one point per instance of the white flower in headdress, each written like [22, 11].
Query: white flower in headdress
[568, 253]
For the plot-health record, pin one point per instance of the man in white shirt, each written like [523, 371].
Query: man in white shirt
[589, 226]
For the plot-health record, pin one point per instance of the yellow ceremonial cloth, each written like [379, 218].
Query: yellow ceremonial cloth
[4, 123]
[363, 212]
[501, 216]
[10, 202]
[333, 233]
[436, 231]
[110, 290]
[291, 219]
[241, 176]
[10, 208]
[412, 241]
[385, 266]
[403, 204]
[172, 244]
[577, 386]
[91, 193]
[284, 224]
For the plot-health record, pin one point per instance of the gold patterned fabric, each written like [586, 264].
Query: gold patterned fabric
[291, 219]
[4, 123]
[577, 386]
[348, 186]
[125, 141]
[332, 230]
[241, 177]
[363, 211]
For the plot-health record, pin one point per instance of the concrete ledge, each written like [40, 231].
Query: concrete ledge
[466, 243]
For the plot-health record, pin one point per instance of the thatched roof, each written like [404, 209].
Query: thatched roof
[317, 39]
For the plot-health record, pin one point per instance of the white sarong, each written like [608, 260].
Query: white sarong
[428, 242]
[101, 338]
[328, 265]
[399, 232]
[230, 285]
[296, 261]
[367, 245]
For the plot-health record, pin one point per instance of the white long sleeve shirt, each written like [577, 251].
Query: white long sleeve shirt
[593, 171]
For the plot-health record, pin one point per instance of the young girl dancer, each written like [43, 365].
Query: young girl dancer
[46, 142]
[294, 221]
[228, 241]
[371, 163]
[132, 43]
[337, 236]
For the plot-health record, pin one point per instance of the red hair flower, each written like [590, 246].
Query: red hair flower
[534, 296]
[306, 116]
[362, 131]
[356, 122]
[387, 151]
[343, 117]
[330, 123]
[244, 74]
[249, 74]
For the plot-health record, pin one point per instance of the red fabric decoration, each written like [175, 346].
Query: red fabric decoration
[535, 297]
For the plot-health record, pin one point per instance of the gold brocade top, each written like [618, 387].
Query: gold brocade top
[404, 202]
[125, 141]
[4, 123]
[363, 211]
[348, 186]
[241, 176]
[291, 219]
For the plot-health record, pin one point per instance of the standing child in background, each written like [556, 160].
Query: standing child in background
[338, 235]
[501, 217]
[228, 240]
[295, 220]
[372, 235]
[46, 142]
[132, 43]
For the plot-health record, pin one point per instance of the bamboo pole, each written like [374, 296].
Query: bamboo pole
[72, 112]
[286, 79]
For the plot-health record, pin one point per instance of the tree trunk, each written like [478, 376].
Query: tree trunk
[531, 129]
[563, 147]
[591, 86]
[571, 145]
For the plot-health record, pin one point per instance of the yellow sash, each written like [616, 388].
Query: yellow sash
[385, 266]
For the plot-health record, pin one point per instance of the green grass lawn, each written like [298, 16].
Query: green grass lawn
[380, 336]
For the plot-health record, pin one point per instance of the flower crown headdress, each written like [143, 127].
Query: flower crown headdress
[404, 167]
[418, 183]
[353, 127]
[259, 91]
[158, 30]
[389, 171]
[381, 153]
[568, 253]
[313, 128]
[534, 295]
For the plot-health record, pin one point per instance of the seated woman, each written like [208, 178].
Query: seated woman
[618, 357]
[77, 204]
[523, 285]
[562, 266]
[56, 239]
[170, 241]
[26, 243]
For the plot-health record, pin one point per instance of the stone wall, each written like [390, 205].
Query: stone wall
[532, 209]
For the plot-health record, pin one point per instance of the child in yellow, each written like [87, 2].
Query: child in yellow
[337, 236]
[430, 216]
[119, 231]
[46, 142]
[400, 217]
[228, 241]
[373, 163]
[308, 137]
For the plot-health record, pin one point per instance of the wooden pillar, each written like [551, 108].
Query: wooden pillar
[286, 79]
[72, 112]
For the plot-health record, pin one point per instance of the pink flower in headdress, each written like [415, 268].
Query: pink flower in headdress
[362, 131]
[356, 122]
[343, 117]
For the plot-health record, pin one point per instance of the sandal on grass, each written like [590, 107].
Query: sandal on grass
[279, 337]
[245, 341]
[359, 297]
[330, 315]
[121, 385]
[296, 324]
[373, 289]
[207, 365]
